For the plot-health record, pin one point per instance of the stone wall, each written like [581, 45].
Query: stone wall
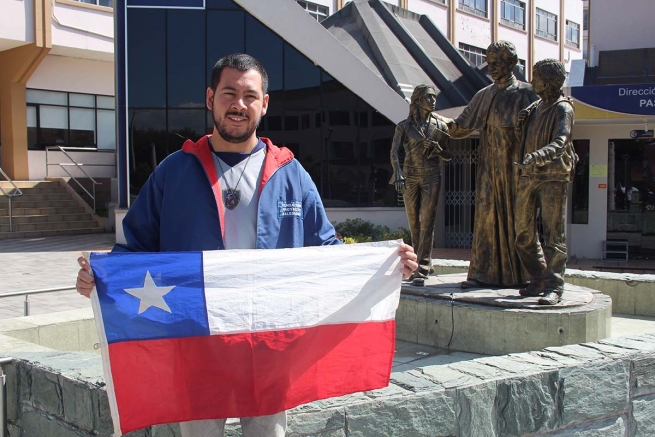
[605, 388]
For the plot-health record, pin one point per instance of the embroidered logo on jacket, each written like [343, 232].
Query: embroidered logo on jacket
[289, 209]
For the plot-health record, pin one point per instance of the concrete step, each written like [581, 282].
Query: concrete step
[41, 204]
[38, 197]
[46, 218]
[50, 189]
[16, 212]
[28, 184]
[50, 226]
[53, 233]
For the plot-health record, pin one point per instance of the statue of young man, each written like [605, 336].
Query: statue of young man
[423, 136]
[493, 113]
[547, 168]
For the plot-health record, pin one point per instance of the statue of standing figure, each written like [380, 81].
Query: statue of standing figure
[545, 171]
[423, 137]
[493, 113]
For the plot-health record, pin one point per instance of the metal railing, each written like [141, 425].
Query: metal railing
[16, 193]
[27, 293]
[3, 397]
[73, 163]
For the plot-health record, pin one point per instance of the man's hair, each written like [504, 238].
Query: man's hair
[419, 92]
[553, 73]
[505, 48]
[241, 62]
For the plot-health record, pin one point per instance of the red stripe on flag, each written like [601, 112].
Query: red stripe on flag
[242, 375]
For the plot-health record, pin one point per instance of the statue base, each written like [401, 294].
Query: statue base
[498, 321]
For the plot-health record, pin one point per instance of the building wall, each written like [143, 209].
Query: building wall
[616, 25]
[437, 12]
[472, 30]
[585, 240]
[75, 26]
[16, 23]
[61, 73]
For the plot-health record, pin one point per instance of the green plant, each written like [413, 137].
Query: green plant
[363, 231]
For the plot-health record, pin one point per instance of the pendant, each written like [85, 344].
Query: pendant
[231, 198]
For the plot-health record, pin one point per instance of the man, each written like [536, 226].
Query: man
[492, 112]
[547, 168]
[230, 190]
[420, 179]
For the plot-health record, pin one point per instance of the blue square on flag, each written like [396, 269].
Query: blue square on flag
[141, 300]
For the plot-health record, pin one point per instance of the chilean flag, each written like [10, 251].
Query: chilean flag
[240, 333]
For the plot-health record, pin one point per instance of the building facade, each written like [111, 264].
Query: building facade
[615, 117]
[335, 115]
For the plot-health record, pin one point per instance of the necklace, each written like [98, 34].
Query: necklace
[232, 196]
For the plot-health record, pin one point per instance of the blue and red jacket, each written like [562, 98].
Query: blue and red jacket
[180, 207]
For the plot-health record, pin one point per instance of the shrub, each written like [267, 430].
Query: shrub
[363, 231]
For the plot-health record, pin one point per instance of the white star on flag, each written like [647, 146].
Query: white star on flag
[150, 294]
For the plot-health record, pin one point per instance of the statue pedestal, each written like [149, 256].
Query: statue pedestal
[498, 321]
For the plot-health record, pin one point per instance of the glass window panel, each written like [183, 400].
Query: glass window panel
[268, 48]
[219, 24]
[183, 124]
[519, 16]
[146, 54]
[106, 130]
[47, 97]
[186, 47]
[221, 4]
[291, 123]
[31, 116]
[302, 81]
[82, 119]
[54, 117]
[335, 95]
[147, 131]
[84, 100]
[32, 142]
[106, 102]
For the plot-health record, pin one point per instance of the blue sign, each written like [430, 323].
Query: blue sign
[637, 99]
[183, 4]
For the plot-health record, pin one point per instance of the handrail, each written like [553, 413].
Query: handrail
[17, 192]
[76, 164]
[26, 293]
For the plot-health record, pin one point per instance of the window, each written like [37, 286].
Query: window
[585, 19]
[70, 119]
[572, 34]
[546, 24]
[477, 7]
[319, 12]
[512, 13]
[107, 3]
[475, 55]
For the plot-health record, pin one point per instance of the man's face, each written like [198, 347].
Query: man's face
[428, 101]
[237, 104]
[499, 66]
[538, 85]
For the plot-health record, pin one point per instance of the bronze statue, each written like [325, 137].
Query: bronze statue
[544, 175]
[422, 136]
[493, 112]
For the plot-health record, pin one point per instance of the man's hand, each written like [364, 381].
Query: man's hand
[408, 259]
[85, 282]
